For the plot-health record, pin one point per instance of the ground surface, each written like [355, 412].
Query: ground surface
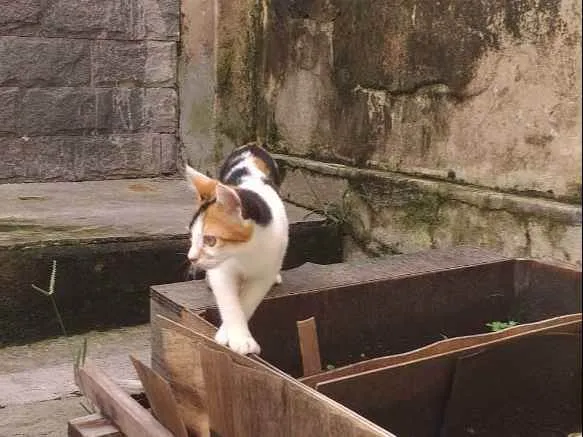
[37, 392]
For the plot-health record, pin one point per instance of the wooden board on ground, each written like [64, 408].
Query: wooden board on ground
[115, 404]
[93, 425]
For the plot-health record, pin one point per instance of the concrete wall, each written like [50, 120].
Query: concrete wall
[87, 89]
[439, 123]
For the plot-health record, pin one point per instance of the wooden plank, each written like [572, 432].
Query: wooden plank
[216, 368]
[259, 403]
[530, 387]
[309, 277]
[309, 346]
[197, 323]
[129, 416]
[161, 398]
[407, 400]
[391, 396]
[93, 425]
[176, 357]
[566, 323]
[318, 401]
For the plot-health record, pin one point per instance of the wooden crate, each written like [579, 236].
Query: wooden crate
[396, 346]
[401, 337]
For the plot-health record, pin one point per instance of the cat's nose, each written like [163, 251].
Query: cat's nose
[193, 255]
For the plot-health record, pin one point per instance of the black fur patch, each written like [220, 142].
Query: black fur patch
[254, 207]
[235, 177]
[202, 208]
[233, 159]
[236, 157]
[264, 155]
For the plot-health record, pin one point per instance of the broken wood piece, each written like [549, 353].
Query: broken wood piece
[176, 357]
[309, 347]
[114, 403]
[265, 414]
[93, 425]
[161, 398]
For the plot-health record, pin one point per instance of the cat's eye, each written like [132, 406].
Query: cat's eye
[209, 240]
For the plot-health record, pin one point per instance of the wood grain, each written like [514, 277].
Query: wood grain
[176, 357]
[93, 425]
[129, 416]
[161, 398]
[249, 397]
[309, 346]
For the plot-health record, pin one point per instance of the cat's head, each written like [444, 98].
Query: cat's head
[217, 230]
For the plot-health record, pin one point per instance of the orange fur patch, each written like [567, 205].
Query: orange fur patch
[261, 165]
[220, 224]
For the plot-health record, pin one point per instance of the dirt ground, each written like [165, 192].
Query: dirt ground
[37, 392]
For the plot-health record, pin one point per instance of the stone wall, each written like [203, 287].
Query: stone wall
[88, 89]
[437, 123]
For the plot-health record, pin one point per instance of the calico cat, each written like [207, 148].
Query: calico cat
[239, 235]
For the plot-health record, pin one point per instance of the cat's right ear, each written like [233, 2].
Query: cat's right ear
[202, 185]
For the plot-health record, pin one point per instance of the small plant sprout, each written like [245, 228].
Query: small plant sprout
[79, 355]
[499, 326]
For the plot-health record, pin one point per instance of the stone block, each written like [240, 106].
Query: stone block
[34, 62]
[54, 111]
[89, 18]
[76, 158]
[18, 16]
[137, 110]
[160, 18]
[555, 241]
[312, 190]
[112, 19]
[160, 110]
[500, 230]
[9, 98]
[128, 63]
[57, 110]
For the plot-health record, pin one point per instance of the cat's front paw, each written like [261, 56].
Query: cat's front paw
[278, 279]
[222, 336]
[243, 343]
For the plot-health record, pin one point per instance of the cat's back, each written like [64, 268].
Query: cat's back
[250, 161]
[254, 174]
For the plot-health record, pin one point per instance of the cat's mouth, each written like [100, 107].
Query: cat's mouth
[206, 264]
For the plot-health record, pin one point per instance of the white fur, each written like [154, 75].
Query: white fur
[240, 276]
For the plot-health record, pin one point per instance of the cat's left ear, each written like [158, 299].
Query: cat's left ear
[228, 199]
[202, 185]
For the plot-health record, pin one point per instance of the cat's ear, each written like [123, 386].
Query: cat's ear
[202, 185]
[228, 199]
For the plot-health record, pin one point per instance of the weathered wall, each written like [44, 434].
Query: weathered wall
[455, 121]
[87, 89]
